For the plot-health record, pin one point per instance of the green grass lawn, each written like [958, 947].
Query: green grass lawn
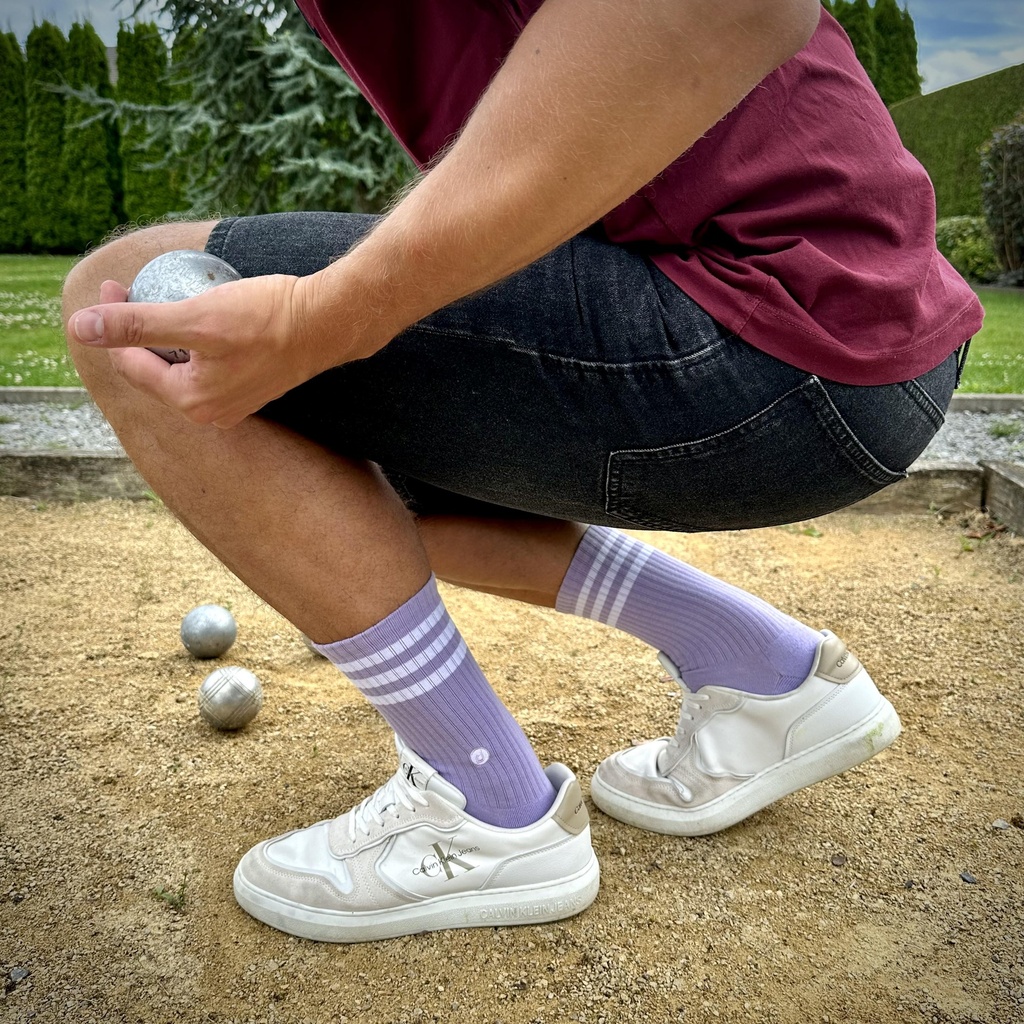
[996, 361]
[32, 348]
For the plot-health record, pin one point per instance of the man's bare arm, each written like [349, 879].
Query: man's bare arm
[595, 99]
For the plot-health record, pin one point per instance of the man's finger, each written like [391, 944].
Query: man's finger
[135, 325]
[149, 373]
[113, 291]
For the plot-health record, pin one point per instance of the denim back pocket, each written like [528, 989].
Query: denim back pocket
[793, 460]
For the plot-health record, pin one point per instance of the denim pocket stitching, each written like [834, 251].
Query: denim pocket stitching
[847, 441]
[620, 506]
[512, 345]
[924, 402]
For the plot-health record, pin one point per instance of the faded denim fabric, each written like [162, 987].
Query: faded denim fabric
[589, 387]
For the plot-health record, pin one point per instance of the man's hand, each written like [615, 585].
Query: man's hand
[250, 342]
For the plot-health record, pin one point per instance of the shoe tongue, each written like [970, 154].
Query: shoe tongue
[417, 774]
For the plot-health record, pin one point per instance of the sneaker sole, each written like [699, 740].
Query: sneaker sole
[492, 908]
[856, 745]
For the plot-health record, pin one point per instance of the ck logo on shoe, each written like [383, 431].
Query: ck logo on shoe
[439, 860]
[413, 776]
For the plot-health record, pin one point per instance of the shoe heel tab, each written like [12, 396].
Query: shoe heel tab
[571, 812]
[836, 662]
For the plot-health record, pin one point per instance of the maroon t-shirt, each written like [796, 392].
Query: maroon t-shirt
[799, 221]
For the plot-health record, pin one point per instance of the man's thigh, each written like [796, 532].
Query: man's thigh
[512, 397]
[585, 387]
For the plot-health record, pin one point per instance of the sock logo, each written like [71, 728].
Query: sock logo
[439, 860]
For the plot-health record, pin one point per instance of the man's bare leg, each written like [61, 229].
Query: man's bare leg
[327, 542]
[523, 559]
[322, 538]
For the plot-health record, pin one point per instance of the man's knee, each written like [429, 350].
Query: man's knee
[123, 256]
[120, 259]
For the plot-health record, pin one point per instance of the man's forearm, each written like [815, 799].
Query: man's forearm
[594, 100]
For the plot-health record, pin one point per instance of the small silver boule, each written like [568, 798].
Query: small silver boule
[230, 697]
[208, 631]
[180, 274]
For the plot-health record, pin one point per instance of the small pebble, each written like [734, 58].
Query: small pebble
[838, 860]
[1001, 824]
[968, 878]
[18, 974]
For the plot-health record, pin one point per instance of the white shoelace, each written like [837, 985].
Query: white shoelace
[689, 698]
[388, 799]
[692, 702]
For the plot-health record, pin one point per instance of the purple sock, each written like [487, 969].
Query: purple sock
[415, 668]
[717, 634]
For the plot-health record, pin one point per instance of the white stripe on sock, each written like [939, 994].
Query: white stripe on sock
[607, 544]
[609, 578]
[425, 685]
[397, 673]
[627, 586]
[397, 647]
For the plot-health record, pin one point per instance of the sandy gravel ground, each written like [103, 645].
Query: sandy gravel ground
[891, 894]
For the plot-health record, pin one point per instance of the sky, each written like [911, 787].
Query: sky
[957, 39]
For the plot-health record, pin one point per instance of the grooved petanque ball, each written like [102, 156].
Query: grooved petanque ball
[180, 274]
[230, 697]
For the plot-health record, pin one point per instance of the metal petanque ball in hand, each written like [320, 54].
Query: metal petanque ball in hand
[230, 697]
[180, 274]
[208, 631]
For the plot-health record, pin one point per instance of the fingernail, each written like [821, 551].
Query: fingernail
[88, 327]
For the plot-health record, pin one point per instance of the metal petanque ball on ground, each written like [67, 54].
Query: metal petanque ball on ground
[180, 274]
[230, 697]
[208, 631]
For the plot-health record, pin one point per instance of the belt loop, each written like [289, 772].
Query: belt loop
[961, 360]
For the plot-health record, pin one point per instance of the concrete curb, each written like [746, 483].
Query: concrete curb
[942, 488]
[933, 486]
[75, 396]
[67, 476]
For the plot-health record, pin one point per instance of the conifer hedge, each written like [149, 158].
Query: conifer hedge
[90, 202]
[13, 235]
[46, 64]
[945, 130]
[142, 66]
[885, 41]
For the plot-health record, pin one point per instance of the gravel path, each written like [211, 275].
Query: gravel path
[967, 436]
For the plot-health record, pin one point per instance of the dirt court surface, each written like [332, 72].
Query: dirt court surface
[893, 893]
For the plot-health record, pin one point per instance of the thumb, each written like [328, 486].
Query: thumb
[120, 324]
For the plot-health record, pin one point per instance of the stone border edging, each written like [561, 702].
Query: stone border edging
[53, 396]
[932, 486]
[935, 487]
[70, 476]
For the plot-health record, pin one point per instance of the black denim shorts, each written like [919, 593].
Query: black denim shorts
[589, 387]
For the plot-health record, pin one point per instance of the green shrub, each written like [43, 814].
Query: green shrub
[1002, 182]
[142, 64]
[967, 244]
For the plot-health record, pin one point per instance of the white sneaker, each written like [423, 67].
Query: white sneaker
[409, 859]
[735, 752]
